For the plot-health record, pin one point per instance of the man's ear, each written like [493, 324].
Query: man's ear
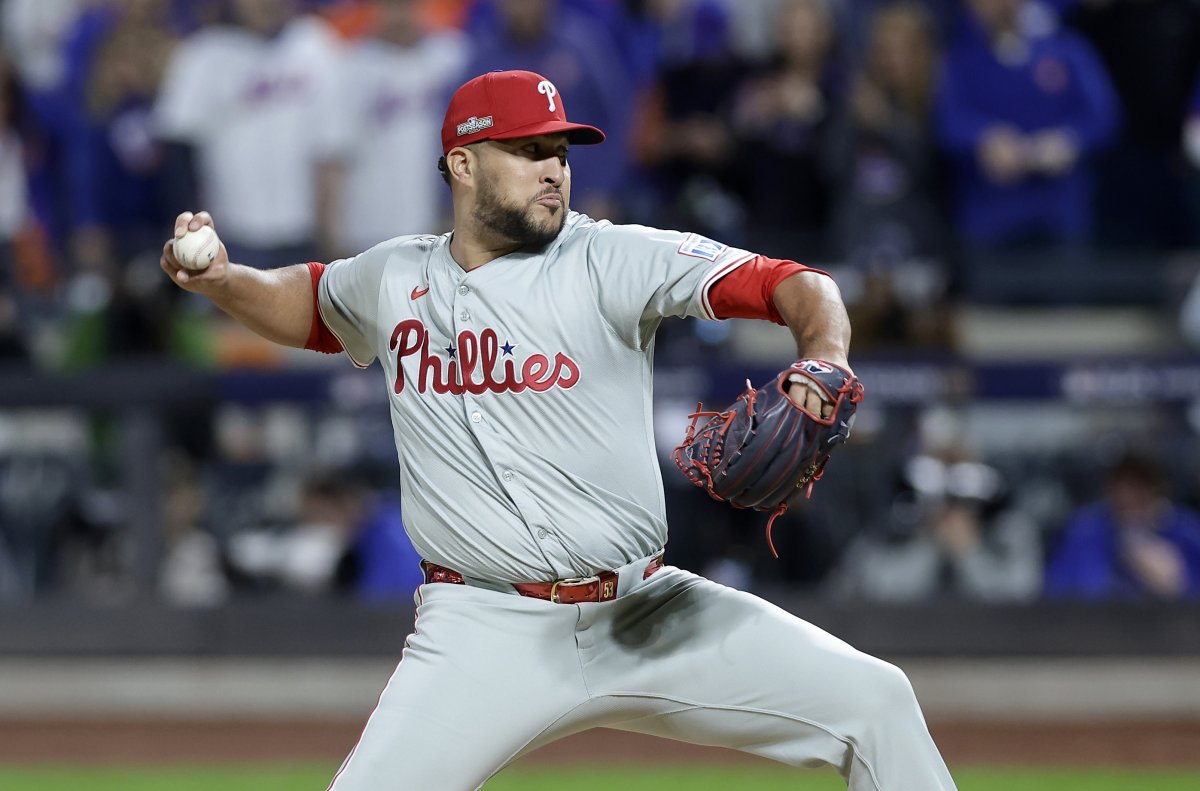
[460, 162]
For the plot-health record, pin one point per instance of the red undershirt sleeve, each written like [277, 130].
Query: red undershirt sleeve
[320, 338]
[748, 291]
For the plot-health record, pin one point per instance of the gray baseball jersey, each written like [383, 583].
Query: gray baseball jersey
[501, 382]
[504, 384]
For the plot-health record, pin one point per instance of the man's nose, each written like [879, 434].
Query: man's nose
[554, 173]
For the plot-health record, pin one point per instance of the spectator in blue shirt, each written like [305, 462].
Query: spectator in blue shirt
[684, 144]
[381, 563]
[1020, 112]
[1134, 544]
[116, 56]
[1151, 51]
[347, 539]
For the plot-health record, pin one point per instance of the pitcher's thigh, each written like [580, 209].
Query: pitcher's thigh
[477, 681]
[687, 637]
[759, 679]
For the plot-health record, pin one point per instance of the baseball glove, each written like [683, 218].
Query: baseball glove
[764, 447]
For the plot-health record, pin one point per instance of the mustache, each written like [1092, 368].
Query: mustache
[548, 191]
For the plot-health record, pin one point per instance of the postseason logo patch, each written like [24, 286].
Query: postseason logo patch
[698, 246]
[473, 125]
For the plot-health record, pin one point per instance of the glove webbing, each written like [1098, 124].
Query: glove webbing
[750, 395]
[703, 477]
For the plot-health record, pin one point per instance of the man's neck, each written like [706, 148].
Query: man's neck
[471, 252]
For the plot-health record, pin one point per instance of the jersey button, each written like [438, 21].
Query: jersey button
[465, 316]
[464, 290]
[543, 532]
[476, 417]
[508, 475]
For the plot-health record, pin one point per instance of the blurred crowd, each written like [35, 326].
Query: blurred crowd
[1005, 146]
[933, 153]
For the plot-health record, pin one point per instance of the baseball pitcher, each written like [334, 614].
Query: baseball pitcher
[517, 354]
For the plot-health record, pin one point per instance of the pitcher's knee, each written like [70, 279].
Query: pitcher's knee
[887, 692]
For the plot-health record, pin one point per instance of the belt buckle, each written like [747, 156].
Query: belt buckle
[554, 586]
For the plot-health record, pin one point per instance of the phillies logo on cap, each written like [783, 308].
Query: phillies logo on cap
[503, 105]
[547, 87]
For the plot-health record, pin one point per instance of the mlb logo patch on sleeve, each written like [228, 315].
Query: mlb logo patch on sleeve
[698, 246]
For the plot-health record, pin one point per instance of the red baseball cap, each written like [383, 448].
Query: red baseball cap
[501, 105]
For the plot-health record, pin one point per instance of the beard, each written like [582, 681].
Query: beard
[514, 222]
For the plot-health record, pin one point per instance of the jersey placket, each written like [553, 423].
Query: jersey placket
[466, 311]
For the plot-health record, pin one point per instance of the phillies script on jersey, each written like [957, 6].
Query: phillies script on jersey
[476, 355]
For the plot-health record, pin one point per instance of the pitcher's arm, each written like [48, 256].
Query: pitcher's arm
[277, 303]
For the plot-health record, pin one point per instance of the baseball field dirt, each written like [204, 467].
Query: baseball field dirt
[1162, 743]
[582, 777]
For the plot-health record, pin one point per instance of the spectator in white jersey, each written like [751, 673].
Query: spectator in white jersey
[394, 87]
[517, 352]
[250, 106]
[14, 217]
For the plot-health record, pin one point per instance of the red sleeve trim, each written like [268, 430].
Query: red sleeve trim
[320, 337]
[747, 291]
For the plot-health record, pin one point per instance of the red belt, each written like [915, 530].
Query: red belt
[601, 587]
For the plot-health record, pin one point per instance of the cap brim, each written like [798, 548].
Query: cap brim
[577, 134]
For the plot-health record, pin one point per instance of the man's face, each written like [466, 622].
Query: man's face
[997, 15]
[1135, 502]
[399, 20]
[526, 20]
[523, 188]
[141, 9]
[263, 16]
[804, 28]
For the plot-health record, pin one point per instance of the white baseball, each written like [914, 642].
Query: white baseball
[195, 250]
